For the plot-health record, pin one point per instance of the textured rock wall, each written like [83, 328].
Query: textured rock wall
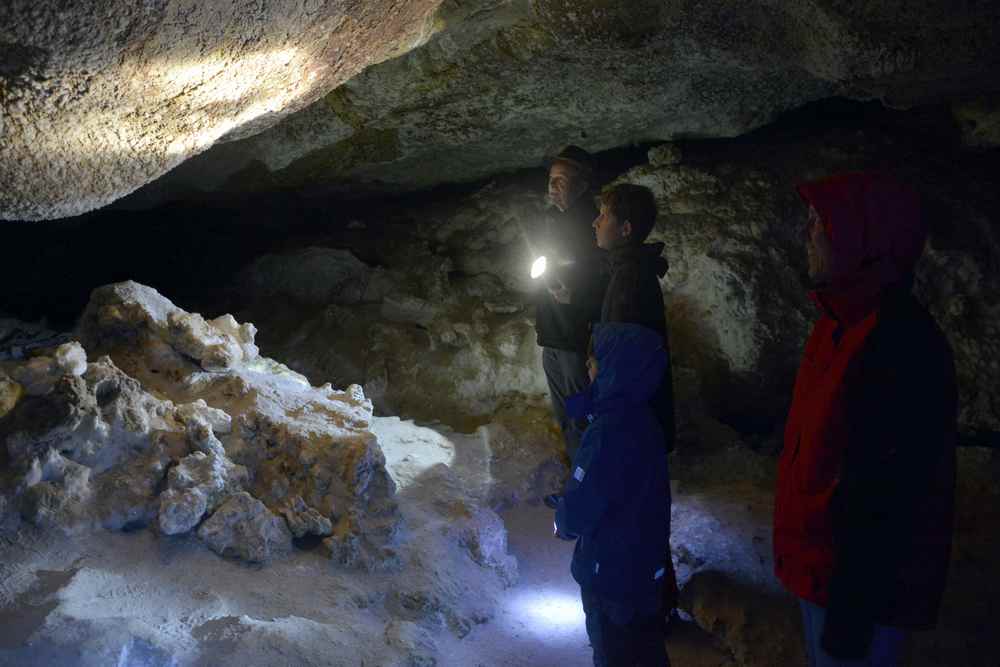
[505, 84]
[99, 98]
[442, 299]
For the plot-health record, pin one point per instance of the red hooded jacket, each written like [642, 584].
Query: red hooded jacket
[865, 491]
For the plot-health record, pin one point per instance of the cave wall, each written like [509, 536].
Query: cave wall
[443, 301]
[99, 99]
[425, 300]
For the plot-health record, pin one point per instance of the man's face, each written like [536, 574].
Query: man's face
[608, 230]
[818, 249]
[592, 368]
[565, 185]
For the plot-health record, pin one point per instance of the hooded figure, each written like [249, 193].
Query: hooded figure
[865, 489]
[614, 502]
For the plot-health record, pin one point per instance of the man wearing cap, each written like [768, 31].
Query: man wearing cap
[574, 291]
[866, 481]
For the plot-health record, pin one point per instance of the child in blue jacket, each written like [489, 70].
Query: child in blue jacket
[613, 503]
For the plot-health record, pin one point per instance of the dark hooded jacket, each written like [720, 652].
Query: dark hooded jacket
[865, 489]
[634, 295]
[569, 237]
[613, 503]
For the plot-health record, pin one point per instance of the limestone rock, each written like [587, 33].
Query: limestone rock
[56, 491]
[39, 375]
[18, 338]
[304, 520]
[10, 393]
[127, 494]
[199, 412]
[527, 454]
[266, 422]
[979, 121]
[97, 420]
[413, 641]
[92, 112]
[365, 542]
[315, 276]
[70, 358]
[196, 486]
[664, 155]
[485, 536]
[505, 85]
[759, 630]
[244, 528]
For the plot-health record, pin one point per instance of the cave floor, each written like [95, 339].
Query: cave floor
[540, 622]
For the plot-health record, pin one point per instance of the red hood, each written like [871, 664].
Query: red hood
[877, 235]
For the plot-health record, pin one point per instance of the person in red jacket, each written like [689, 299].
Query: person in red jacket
[866, 481]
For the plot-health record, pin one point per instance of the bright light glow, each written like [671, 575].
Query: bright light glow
[410, 449]
[548, 613]
[538, 267]
[219, 79]
[253, 86]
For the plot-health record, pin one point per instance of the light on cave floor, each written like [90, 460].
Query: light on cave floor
[548, 613]
[410, 449]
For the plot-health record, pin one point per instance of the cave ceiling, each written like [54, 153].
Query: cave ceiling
[354, 97]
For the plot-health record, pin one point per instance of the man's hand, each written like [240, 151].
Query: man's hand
[560, 292]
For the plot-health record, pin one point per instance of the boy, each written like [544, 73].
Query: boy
[613, 503]
[627, 215]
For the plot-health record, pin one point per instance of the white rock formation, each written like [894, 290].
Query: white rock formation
[246, 456]
[197, 485]
[243, 527]
[39, 375]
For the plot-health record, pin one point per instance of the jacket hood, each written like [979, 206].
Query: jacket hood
[876, 235]
[631, 362]
[649, 256]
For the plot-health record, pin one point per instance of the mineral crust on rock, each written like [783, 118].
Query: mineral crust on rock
[243, 527]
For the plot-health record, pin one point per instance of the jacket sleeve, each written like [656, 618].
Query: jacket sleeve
[587, 500]
[901, 414]
[588, 282]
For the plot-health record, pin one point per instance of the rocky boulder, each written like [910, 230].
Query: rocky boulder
[243, 527]
[93, 444]
[98, 100]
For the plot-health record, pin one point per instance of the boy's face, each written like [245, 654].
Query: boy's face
[609, 231]
[592, 368]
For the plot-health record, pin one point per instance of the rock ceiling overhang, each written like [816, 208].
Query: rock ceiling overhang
[321, 97]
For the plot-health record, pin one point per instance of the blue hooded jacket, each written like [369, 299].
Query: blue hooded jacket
[617, 501]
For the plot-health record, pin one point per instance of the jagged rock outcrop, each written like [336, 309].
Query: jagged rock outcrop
[243, 527]
[96, 444]
[99, 99]
[422, 334]
[506, 84]
[189, 430]
[196, 486]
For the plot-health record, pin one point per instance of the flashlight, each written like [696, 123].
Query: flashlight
[538, 267]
